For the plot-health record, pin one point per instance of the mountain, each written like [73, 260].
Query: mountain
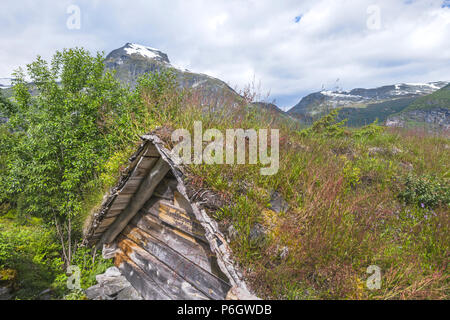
[364, 105]
[5, 83]
[432, 110]
[6, 87]
[391, 104]
[133, 60]
[268, 106]
[357, 117]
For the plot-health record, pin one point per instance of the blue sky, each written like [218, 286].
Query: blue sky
[288, 48]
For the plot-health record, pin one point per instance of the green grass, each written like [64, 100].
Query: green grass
[438, 99]
[31, 254]
[349, 208]
[358, 117]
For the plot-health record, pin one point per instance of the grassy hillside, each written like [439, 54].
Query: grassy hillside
[431, 112]
[358, 117]
[438, 99]
[355, 197]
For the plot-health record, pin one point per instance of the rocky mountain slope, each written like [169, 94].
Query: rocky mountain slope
[5, 83]
[432, 110]
[133, 60]
[382, 101]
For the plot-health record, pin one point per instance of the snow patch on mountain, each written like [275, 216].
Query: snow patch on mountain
[338, 94]
[150, 53]
[418, 88]
[144, 51]
[431, 85]
[319, 102]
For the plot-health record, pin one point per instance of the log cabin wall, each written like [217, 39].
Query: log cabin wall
[153, 232]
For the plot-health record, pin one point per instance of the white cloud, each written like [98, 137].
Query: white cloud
[238, 40]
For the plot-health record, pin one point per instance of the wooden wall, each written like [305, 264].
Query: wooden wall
[164, 254]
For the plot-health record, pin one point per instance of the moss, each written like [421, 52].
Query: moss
[8, 275]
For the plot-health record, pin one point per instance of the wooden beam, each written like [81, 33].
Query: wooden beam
[141, 196]
[151, 151]
[180, 201]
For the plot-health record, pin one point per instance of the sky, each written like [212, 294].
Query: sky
[283, 49]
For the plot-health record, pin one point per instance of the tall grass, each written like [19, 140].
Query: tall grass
[343, 188]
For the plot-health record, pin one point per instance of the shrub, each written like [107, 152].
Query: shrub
[370, 131]
[90, 265]
[352, 174]
[425, 191]
[327, 126]
[6, 251]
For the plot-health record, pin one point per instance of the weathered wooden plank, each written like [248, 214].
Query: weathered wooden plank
[131, 186]
[152, 207]
[113, 213]
[193, 273]
[118, 206]
[180, 219]
[138, 278]
[134, 159]
[147, 163]
[174, 286]
[122, 198]
[101, 229]
[151, 151]
[143, 167]
[180, 201]
[95, 236]
[186, 245]
[141, 196]
[106, 222]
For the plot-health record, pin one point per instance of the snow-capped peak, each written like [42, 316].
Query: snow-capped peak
[418, 88]
[431, 85]
[148, 52]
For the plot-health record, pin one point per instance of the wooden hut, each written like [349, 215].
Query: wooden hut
[162, 242]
